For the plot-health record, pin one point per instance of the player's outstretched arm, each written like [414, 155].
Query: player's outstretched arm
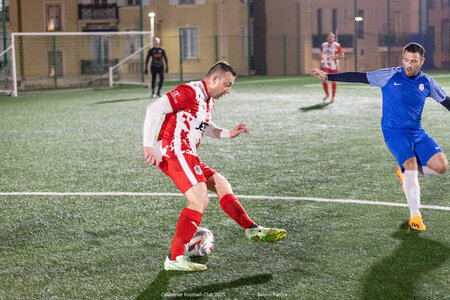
[360, 77]
[240, 128]
[446, 103]
[216, 132]
[319, 74]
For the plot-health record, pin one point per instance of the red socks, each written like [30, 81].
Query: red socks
[333, 89]
[325, 87]
[186, 226]
[233, 208]
[190, 219]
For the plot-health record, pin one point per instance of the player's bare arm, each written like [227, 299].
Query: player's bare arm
[338, 56]
[216, 132]
[150, 157]
[318, 74]
[240, 128]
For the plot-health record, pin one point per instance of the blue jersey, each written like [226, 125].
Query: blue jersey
[404, 97]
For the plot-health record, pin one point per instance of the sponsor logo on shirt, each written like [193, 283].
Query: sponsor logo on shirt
[396, 83]
[175, 95]
[202, 126]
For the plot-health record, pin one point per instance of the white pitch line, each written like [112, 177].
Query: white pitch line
[212, 195]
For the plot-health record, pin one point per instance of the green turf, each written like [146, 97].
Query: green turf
[113, 247]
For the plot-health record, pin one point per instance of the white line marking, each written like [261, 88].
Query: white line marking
[213, 195]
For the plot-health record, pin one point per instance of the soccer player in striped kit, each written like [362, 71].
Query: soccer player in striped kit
[187, 111]
[330, 53]
[404, 91]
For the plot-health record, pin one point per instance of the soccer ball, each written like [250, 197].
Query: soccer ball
[201, 243]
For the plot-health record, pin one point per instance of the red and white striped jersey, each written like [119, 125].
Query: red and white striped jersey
[183, 129]
[327, 51]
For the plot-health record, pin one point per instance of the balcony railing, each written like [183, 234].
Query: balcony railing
[6, 14]
[88, 12]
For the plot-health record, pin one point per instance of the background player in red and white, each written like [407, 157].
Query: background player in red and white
[330, 53]
[188, 111]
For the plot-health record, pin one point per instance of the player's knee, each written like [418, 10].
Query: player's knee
[443, 167]
[222, 185]
[199, 203]
[205, 203]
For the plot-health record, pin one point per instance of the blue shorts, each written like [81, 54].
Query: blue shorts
[412, 143]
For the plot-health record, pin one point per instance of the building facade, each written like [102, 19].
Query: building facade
[265, 37]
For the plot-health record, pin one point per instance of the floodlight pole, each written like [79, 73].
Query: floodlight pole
[249, 39]
[5, 57]
[152, 27]
[4, 27]
[355, 45]
[141, 25]
[388, 38]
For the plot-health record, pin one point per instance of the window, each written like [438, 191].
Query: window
[132, 44]
[244, 42]
[446, 35]
[4, 10]
[100, 49]
[335, 20]
[360, 25]
[445, 4]
[54, 59]
[319, 22]
[53, 17]
[223, 42]
[186, 2]
[133, 2]
[189, 43]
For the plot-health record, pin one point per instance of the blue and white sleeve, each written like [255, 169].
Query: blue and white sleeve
[380, 77]
[438, 93]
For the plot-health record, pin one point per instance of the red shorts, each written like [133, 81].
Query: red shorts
[186, 170]
[326, 70]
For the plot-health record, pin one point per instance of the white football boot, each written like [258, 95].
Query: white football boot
[182, 263]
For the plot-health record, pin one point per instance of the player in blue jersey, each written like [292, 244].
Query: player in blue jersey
[404, 91]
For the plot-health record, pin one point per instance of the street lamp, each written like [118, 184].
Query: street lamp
[152, 27]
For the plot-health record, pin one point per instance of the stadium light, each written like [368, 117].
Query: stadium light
[152, 27]
[359, 19]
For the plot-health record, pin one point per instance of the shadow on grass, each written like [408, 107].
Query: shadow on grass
[315, 107]
[158, 289]
[122, 100]
[401, 274]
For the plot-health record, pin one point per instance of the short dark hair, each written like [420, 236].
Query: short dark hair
[414, 48]
[220, 68]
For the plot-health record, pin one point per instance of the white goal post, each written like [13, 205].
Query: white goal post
[61, 60]
[123, 73]
[7, 83]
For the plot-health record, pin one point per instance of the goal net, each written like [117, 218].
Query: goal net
[6, 74]
[128, 70]
[53, 61]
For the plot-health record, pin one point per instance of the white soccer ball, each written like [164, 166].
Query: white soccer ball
[202, 243]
